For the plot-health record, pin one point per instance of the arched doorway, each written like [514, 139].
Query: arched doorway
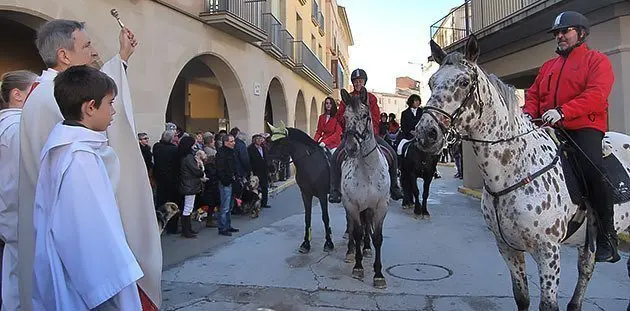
[300, 113]
[18, 31]
[207, 96]
[314, 117]
[275, 104]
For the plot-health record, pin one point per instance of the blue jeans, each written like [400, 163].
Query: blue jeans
[225, 219]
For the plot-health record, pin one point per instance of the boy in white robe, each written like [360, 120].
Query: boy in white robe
[82, 259]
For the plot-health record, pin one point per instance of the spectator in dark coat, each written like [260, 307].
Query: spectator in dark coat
[166, 168]
[190, 185]
[260, 168]
[143, 140]
[226, 171]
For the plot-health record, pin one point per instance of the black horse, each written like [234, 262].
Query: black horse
[312, 175]
[417, 164]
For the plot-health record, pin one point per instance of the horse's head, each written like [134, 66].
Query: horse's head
[452, 106]
[358, 121]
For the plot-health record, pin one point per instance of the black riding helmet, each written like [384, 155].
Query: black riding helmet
[392, 115]
[383, 114]
[358, 74]
[571, 19]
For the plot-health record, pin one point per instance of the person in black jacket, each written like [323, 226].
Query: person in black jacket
[410, 116]
[166, 165]
[260, 168]
[191, 172]
[226, 170]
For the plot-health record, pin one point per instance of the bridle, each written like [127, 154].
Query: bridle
[451, 134]
[362, 136]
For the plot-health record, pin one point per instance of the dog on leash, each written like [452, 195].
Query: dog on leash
[164, 213]
[251, 196]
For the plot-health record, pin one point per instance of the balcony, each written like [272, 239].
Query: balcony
[453, 27]
[339, 74]
[288, 52]
[321, 21]
[489, 12]
[240, 18]
[308, 66]
[314, 11]
[274, 42]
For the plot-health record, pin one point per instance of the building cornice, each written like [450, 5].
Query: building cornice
[346, 24]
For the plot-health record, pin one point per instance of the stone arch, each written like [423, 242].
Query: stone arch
[207, 94]
[314, 116]
[18, 26]
[301, 121]
[276, 103]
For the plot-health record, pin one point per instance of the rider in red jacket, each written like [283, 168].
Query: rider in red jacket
[571, 91]
[359, 78]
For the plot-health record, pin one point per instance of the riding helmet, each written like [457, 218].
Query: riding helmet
[358, 74]
[570, 19]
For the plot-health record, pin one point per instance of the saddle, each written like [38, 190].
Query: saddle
[403, 147]
[575, 180]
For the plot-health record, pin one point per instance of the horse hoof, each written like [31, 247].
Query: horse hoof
[329, 246]
[367, 253]
[349, 258]
[426, 216]
[357, 273]
[305, 247]
[380, 283]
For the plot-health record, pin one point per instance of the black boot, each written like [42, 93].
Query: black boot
[186, 228]
[335, 178]
[394, 189]
[607, 241]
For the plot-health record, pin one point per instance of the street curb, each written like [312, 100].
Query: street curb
[470, 192]
[288, 183]
[446, 164]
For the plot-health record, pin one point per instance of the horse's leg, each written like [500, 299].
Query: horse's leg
[365, 223]
[406, 187]
[377, 237]
[328, 245]
[306, 245]
[515, 261]
[417, 208]
[548, 261]
[357, 232]
[586, 265]
[426, 184]
[350, 231]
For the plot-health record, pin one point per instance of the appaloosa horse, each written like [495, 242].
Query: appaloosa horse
[526, 201]
[312, 175]
[365, 182]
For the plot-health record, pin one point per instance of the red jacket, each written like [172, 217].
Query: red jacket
[393, 127]
[328, 132]
[579, 85]
[376, 112]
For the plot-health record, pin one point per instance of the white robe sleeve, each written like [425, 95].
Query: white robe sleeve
[88, 234]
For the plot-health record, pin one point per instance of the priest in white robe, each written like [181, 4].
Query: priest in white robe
[62, 44]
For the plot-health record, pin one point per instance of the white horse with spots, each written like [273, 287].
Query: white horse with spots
[365, 183]
[526, 202]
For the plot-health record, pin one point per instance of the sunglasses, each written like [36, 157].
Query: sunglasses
[563, 31]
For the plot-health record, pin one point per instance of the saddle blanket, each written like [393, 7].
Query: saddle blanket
[402, 150]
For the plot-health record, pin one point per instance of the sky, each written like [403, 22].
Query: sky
[388, 34]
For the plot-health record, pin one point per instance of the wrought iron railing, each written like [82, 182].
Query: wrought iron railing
[249, 11]
[454, 26]
[273, 28]
[305, 57]
[487, 12]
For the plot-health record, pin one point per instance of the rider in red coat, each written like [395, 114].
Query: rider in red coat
[328, 133]
[359, 78]
[571, 91]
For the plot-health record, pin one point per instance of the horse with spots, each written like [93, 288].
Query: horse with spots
[365, 183]
[526, 202]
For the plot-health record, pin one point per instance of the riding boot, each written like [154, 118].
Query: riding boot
[607, 240]
[335, 178]
[187, 228]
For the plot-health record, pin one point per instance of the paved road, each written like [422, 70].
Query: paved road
[447, 263]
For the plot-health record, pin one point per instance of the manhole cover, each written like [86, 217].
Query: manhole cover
[420, 272]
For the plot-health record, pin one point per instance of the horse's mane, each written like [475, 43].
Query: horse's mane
[301, 137]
